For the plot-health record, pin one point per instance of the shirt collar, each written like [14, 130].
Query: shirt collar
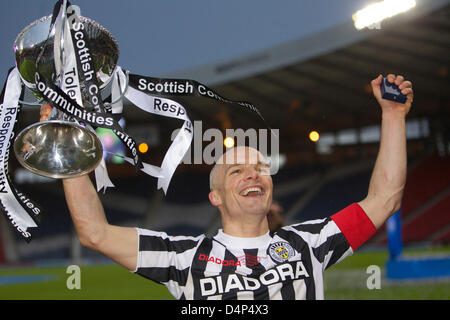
[238, 242]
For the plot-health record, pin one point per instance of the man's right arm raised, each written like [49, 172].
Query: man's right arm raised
[118, 243]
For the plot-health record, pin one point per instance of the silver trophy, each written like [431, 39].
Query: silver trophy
[59, 147]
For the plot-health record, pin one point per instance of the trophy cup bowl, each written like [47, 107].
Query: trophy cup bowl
[27, 46]
[59, 148]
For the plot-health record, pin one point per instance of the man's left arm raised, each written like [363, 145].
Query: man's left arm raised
[389, 174]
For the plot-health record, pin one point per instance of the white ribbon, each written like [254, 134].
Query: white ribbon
[18, 216]
[57, 43]
[119, 82]
[180, 144]
[101, 172]
[102, 179]
[70, 83]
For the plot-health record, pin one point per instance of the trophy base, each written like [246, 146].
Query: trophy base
[58, 149]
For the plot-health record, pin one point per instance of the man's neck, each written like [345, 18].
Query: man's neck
[245, 228]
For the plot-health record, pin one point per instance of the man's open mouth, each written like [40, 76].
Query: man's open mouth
[252, 192]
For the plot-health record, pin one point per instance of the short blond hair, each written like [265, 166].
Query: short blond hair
[224, 159]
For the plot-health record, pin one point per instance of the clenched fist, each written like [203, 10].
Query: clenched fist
[404, 86]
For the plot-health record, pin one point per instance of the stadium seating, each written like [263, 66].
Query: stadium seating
[443, 237]
[424, 225]
[425, 208]
[336, 195]
[425, 205]
[424, 181]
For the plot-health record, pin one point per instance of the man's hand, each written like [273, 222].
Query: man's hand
[45, 112]
[390, 106]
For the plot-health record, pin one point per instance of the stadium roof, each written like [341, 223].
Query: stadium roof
[322, 82]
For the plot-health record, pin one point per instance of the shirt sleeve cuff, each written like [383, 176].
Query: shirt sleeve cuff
[138, 258]
[354, 224]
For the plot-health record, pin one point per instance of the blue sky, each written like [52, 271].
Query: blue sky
[161, 37]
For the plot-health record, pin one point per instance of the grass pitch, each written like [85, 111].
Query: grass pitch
[346, 280]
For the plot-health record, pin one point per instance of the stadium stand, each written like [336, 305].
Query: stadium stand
[425, 207]
[185, 209]
[2, 254]
[424, 181]
[430, 221]
[335, 195]
[442, 237]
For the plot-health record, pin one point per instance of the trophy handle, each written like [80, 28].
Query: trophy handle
[122, 92]
[37, 103]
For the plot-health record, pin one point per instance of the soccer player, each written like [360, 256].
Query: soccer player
[243, 260]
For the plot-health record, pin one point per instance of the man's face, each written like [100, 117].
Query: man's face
[244, 184]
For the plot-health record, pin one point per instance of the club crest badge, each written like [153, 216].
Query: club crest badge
[281, 251]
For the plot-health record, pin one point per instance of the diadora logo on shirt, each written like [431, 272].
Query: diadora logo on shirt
[245, 260]
[281, 251]
[204, 257]
[236, 282]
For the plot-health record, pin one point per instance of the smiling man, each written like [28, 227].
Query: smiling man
[243, 260]
[241, 187]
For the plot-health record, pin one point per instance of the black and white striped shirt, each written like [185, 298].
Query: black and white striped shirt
[287, 265]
